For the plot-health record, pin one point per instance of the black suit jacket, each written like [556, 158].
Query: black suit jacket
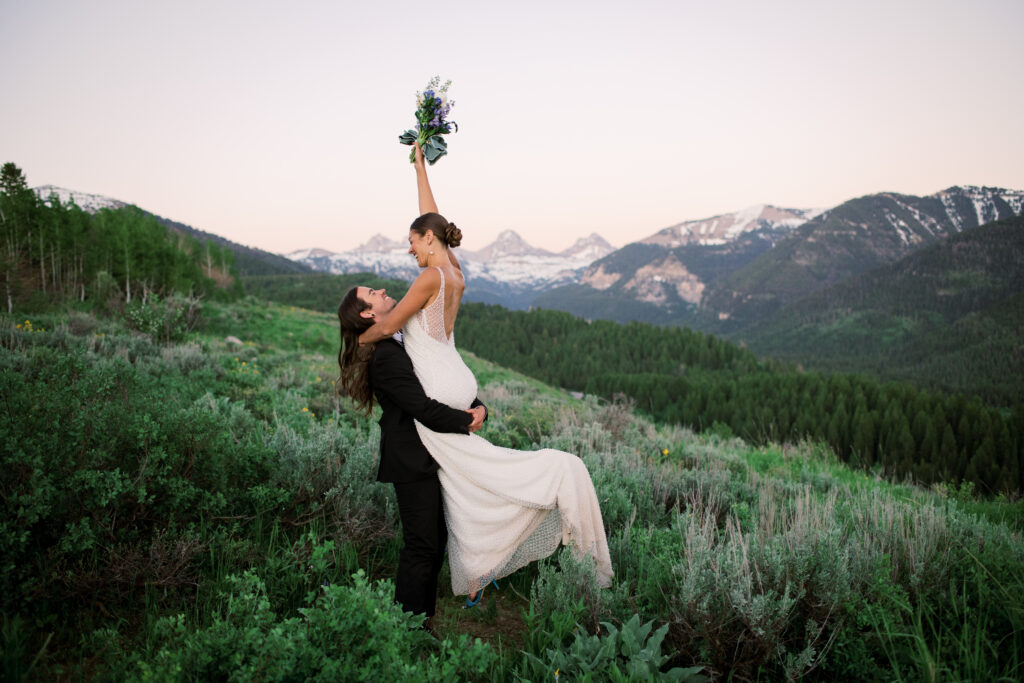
[403, 457]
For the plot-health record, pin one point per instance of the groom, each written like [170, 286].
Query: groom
[405, 462]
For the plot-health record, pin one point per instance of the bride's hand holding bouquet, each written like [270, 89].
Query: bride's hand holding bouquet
[432, 109]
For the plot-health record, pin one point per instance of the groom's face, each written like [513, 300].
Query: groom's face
[377, 299]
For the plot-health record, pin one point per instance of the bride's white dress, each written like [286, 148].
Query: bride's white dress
[504, 508]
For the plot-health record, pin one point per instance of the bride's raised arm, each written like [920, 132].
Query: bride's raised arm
[426, 197]
[426, 284]
[423, 193]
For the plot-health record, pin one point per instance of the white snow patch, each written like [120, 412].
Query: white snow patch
[924, 220]
[85, 201]
[985, 209]
[1015, 200]
[743, 220]
[951, 212]
[899, 224]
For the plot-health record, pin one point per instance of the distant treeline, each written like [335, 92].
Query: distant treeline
[686, 377]
[55, 252]
[316, 291]
[691, 378]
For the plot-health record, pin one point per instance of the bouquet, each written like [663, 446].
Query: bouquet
[432, 107]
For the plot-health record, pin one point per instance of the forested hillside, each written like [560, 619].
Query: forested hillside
[54, 253]
[946, 317]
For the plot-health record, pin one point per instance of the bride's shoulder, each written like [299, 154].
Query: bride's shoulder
[428, 277]
[458, 279]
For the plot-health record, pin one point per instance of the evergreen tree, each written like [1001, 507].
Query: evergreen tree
[952, 465]
[12, 180]
[864, 437]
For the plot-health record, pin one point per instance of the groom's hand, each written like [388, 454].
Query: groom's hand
[478, 413]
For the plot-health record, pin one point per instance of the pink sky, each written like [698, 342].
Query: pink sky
[275, 124]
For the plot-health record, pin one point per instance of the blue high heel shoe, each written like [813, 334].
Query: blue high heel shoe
[479, 594]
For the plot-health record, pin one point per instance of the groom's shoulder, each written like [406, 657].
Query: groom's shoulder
[386, 349]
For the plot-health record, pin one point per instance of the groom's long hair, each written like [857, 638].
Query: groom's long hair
[354, 360]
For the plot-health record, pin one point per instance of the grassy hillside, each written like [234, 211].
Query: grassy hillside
[206, 509]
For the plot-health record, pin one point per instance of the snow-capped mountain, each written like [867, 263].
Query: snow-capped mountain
[675, 265]
[507, 244]
[722, 273]
[727, 227]
[84, 200]
[511, 260]
[505, 271]
[589, 248]
[378, 255]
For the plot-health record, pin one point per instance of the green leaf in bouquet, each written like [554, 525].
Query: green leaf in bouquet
[434, 149]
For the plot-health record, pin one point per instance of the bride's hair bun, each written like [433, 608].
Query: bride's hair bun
[452, 235]
[442, 229]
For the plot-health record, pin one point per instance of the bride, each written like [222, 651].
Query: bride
[504, 508]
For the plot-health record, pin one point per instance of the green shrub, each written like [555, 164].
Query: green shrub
[346, 633]
[630, 654]
[569, 584]
[101, 456]
[162, 320]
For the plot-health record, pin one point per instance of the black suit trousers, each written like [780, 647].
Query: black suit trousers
[424, 536]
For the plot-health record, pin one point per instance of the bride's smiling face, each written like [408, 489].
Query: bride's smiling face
[420, 246]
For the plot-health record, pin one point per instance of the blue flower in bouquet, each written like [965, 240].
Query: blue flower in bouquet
[432, 109]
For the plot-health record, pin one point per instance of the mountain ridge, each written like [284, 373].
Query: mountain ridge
[249, 260]
[692, 275]
[852, 238]
[508, 271]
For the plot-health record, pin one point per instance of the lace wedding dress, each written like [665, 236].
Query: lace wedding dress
[504, 508]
